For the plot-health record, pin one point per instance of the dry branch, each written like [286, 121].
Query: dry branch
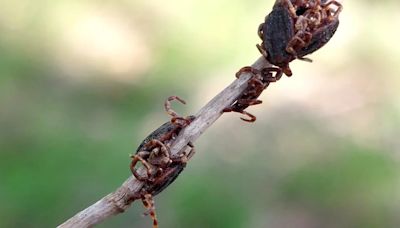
[118, 201]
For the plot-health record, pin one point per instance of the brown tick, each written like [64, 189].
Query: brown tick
[162, 168]
[255, 86]
[296, 28]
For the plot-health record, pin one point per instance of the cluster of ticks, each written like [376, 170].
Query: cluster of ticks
[294, 29]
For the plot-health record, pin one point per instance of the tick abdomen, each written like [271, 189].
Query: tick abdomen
[278, 31]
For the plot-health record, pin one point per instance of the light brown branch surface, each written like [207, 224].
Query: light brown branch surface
[118, 201]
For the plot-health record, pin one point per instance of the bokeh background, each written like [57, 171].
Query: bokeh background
[83, 82]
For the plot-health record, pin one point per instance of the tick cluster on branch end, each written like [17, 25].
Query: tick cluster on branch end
[294, 29]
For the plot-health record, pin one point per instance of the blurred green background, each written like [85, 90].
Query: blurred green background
[83, 82]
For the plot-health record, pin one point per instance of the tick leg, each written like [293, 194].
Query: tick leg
[305, 59]
[260, 31]
[268, 76]
[159, 171]
[301, 38]
[176, 119]
[148, 203]
[296, 40]
[314, 19]
[255, 85]
[299, 41]
[167, 105]
[161, 155]
[316, 5]
[290, 47]
[183, 158]
[247, 69]
[164, 149]
[252, 117]
[139, 157]
[262, 50]
[249, 102]
[302, 23]
[337, 12]
[191, 152]
[286, 69]
[291, 8]
[180, 121]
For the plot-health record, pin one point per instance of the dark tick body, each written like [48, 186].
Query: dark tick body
[162, 168]
[296, 28]
[276, 33]
[169, 167]
[320, 37]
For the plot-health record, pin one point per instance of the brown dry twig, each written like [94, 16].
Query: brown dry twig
[121, 199]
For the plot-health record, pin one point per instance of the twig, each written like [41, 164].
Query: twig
[118, 201]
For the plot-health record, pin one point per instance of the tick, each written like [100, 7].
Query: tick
[162, 168]
[296, 28]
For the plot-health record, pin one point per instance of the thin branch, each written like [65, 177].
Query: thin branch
[118, 201]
